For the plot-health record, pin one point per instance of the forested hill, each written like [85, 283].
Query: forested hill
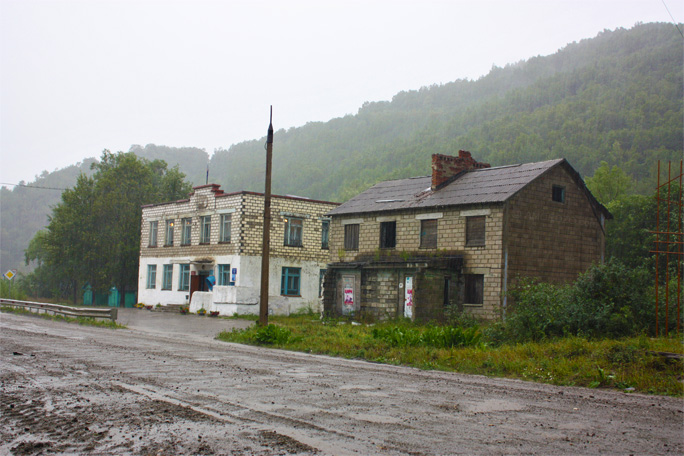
[615, 98]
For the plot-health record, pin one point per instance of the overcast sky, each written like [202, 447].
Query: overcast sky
[77, 77]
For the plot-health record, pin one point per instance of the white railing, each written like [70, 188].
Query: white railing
[109, 313]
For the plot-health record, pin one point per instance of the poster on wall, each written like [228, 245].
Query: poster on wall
[349, 297]
[408, 297]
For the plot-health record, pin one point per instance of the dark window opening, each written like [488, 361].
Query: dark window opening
[474, 288]
[558, 194]
[388, 235]
[325, 234]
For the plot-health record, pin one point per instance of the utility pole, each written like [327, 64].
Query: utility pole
[263, 301]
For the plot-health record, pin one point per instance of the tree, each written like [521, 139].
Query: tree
[93, 235]
[609, 184]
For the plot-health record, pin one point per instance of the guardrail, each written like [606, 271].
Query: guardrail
[110, 313]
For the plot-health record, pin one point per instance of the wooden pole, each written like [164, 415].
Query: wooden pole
[263, 301]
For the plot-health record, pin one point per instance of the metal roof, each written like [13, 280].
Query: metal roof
[480, 186]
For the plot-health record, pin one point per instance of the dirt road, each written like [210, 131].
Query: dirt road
[81, 390]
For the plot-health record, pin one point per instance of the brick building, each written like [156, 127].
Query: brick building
[215, 233]
[460, 237]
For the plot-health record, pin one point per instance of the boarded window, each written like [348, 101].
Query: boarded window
[388, 235]
[475, 231]
[558, 194]
[351, 237]
[428, 234]
[474, 288]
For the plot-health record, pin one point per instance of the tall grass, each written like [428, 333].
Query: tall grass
[629, 364]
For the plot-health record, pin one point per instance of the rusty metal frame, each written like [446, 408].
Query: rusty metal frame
[672, 244]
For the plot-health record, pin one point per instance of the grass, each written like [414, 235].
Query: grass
[627, 364]
[80, 320]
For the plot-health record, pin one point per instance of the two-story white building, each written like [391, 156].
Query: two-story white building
[219, 234]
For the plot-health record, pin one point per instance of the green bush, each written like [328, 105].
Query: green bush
[272, 335]
[609, 300]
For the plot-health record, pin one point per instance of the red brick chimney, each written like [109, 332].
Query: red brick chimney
[444, 167]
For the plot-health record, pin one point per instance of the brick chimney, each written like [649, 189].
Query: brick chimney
[444, 167]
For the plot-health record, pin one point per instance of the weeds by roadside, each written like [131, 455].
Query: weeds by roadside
[629, 364]
[80, 320]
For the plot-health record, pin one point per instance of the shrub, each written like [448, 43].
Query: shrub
[609, 300]
[272, 335]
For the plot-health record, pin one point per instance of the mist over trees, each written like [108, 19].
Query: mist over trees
[614, 99]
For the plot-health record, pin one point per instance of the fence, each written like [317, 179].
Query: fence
[110, 313]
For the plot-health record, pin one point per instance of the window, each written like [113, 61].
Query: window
[224, 232]
[474, 288]
[186, 231]
[558, 194]
[351, 237]
[289, 284]
[151, 276]
[205, 227]
[153, 234]
[475, 231]
[325, 233]
[167, 276]
[169, 233]
[388, 235]
[293, 231]
[428, 234]
[184, 278]
[224, 275]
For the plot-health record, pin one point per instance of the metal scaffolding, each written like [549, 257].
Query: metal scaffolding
[669, 241]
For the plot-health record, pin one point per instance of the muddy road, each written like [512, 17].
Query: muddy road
[80, 390]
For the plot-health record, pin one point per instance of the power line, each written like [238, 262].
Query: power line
[33, 186]
[673, 19]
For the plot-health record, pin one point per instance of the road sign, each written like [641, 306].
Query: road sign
[9, 275]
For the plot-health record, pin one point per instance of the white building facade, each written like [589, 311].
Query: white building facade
[217, 237]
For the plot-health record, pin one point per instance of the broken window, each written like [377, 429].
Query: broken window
[168, 241]
[428, 234]
[153, 234]
[474, 288]
[351, 237]
[293, 231]
[388, 235]
[289, 283]
[558, 194]
[475, 231]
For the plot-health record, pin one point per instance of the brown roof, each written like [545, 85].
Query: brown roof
[479, 186]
